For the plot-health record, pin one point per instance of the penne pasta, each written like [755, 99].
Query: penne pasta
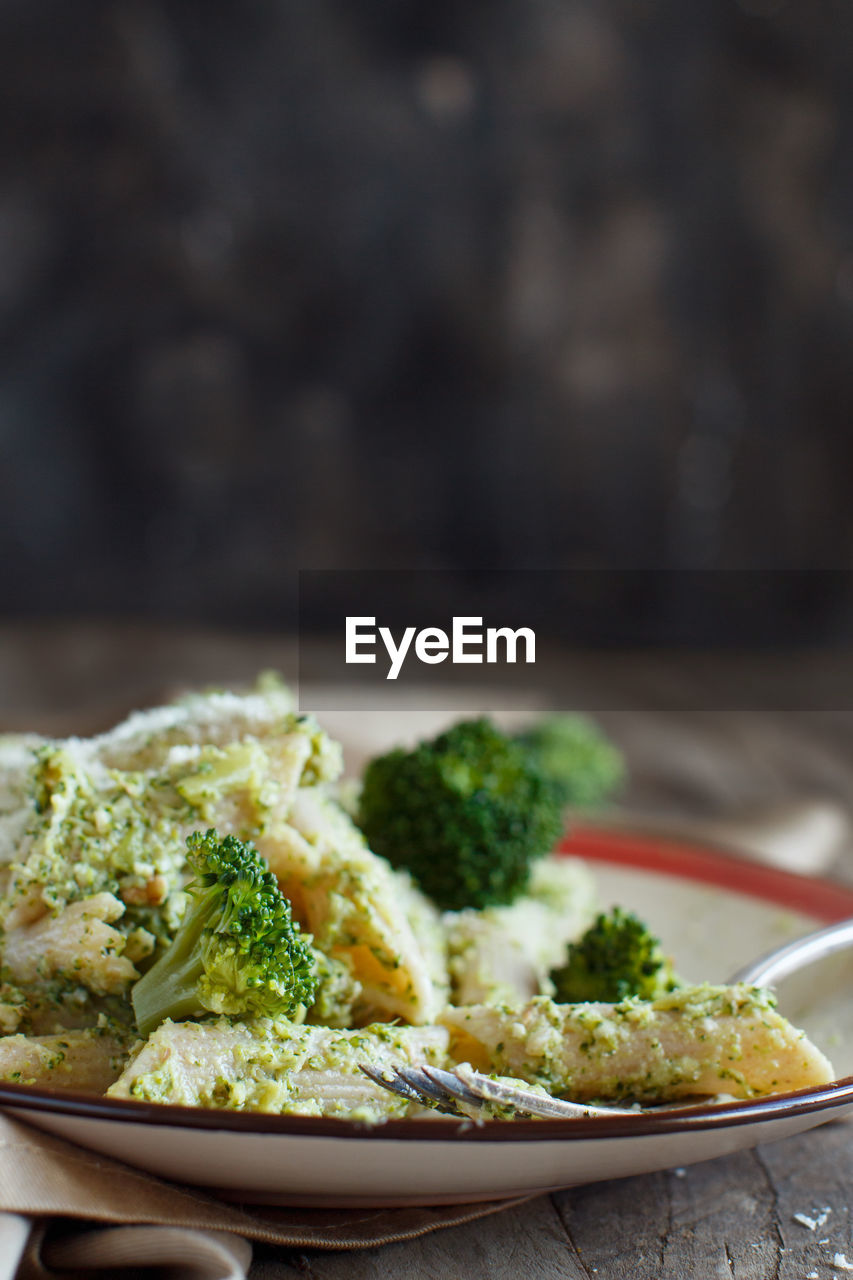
[87, 1060]
[276, 1067]
[697, 1040]
[504, 954]
[78, 944]
[356, 908]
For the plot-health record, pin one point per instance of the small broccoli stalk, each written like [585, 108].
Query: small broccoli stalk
[237, 950]
[615, 959]
[466, 814]
[572, 750]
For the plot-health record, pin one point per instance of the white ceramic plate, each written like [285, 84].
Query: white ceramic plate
[713, 912]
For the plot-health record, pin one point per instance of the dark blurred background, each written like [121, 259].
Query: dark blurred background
[523, 283]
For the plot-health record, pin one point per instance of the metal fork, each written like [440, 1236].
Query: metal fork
[453, 1091]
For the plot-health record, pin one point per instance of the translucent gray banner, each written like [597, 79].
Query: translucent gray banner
[593, 640]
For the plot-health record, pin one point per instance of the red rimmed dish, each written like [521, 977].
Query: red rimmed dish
[713, 911]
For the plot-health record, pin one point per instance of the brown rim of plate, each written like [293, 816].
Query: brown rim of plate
[704, 862]
[705, 1115]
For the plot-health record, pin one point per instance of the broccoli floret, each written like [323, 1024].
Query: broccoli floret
[237, 950]
[465, 813]
[572, 750]
[616, 958]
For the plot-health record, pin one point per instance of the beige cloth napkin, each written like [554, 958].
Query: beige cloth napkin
[46, 1178]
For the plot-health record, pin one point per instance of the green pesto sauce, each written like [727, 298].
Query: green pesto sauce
[281, 1067]
[94, 829]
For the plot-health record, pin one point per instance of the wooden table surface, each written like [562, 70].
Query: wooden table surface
[731, 1217]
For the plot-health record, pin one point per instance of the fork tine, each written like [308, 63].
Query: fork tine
[417, 1080]
[428, 1090]
[473, 1087]
[414, 1089]
[395, 1084]
[450, 1083]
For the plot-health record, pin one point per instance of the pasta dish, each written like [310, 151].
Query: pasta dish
[192, 915]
